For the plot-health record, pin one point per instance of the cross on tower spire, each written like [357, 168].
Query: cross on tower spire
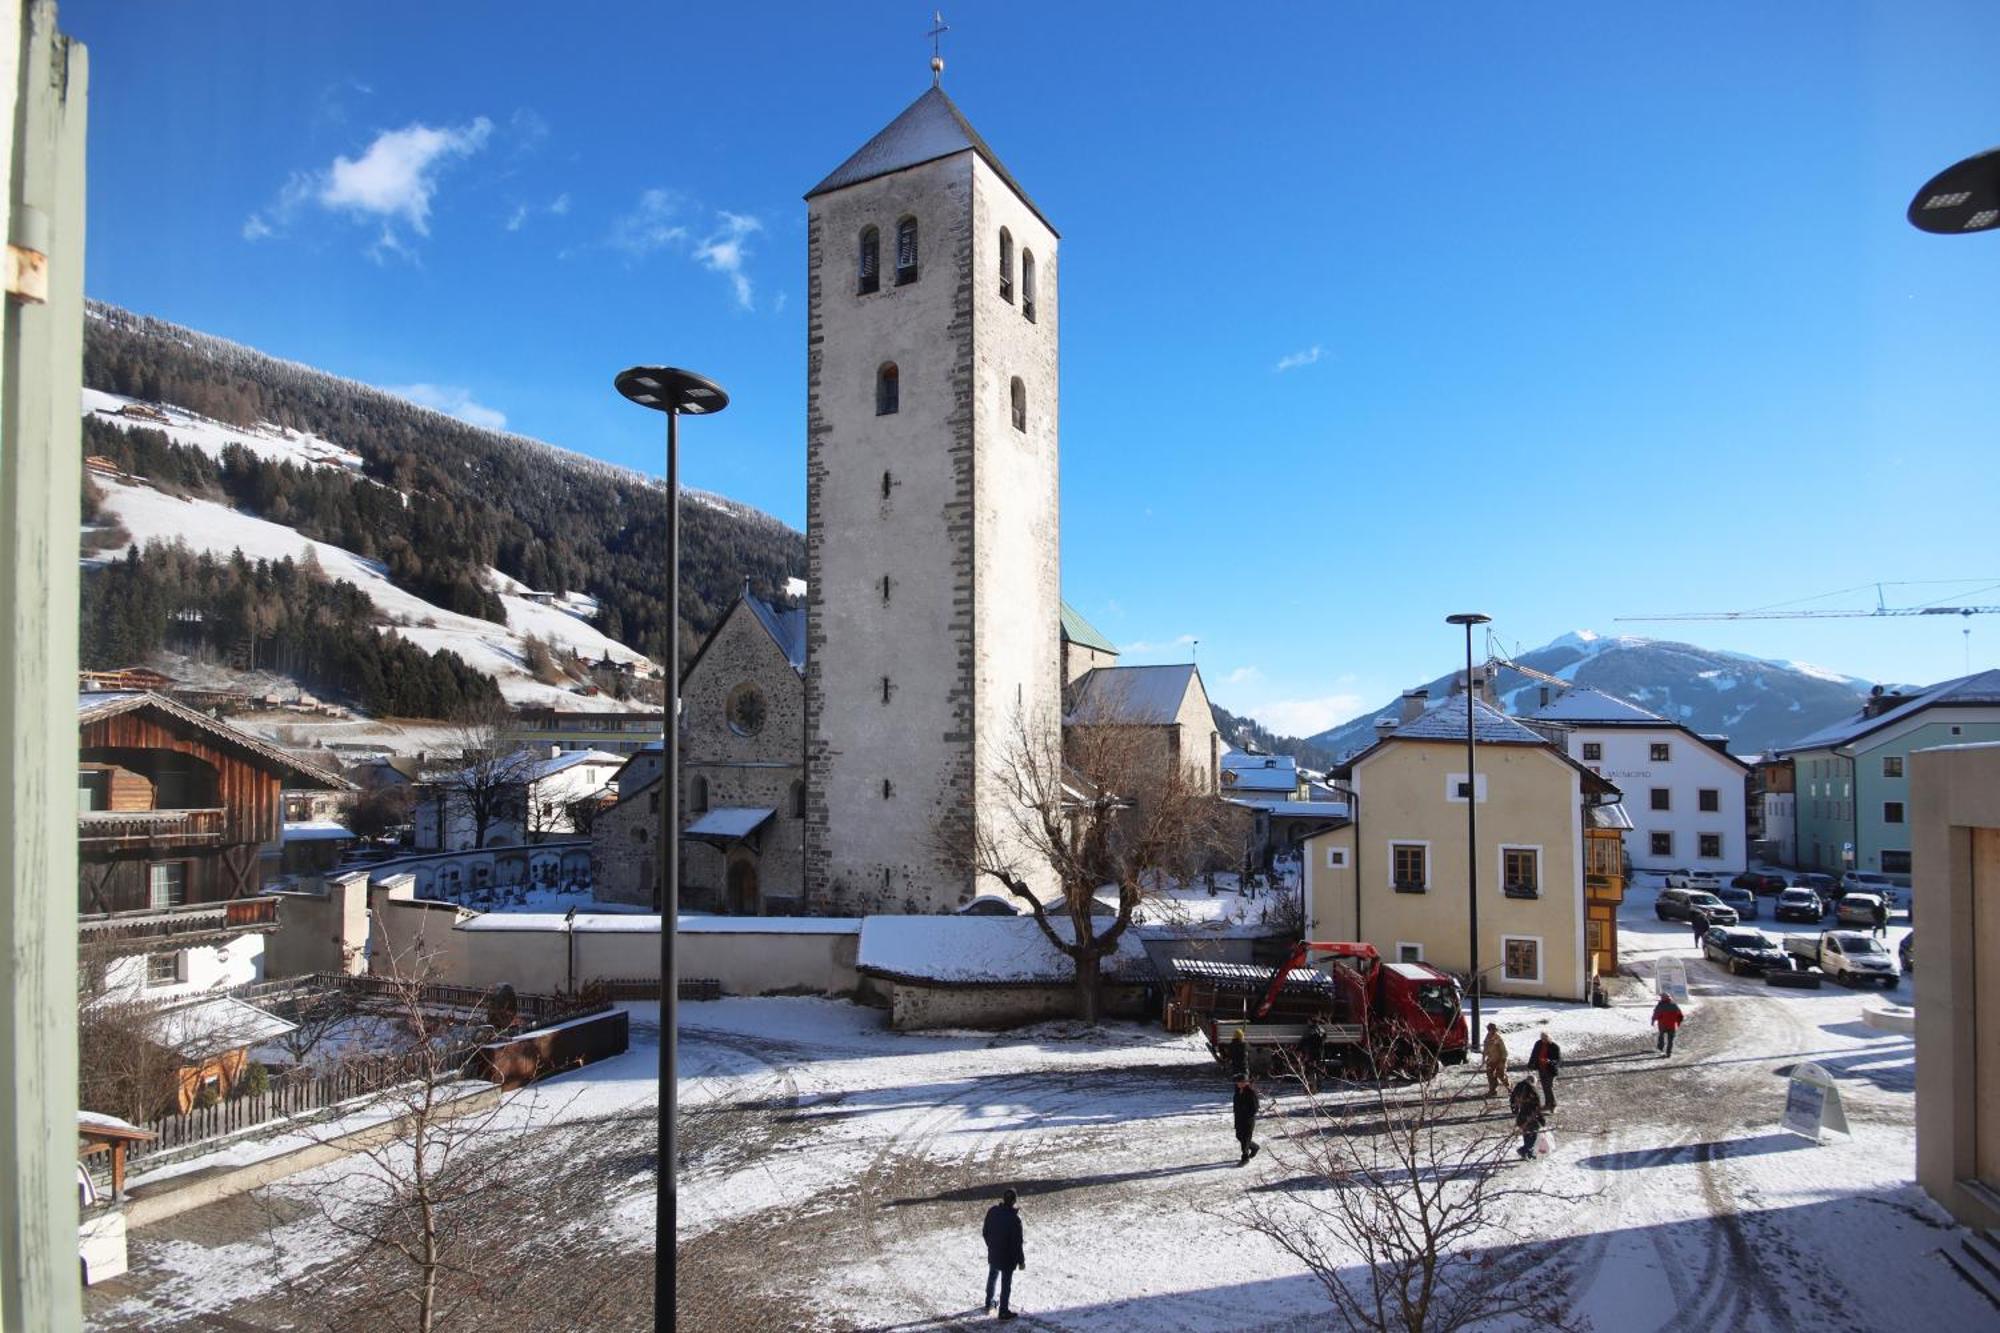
[938, 29]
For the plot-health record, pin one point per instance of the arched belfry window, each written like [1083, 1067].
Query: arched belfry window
[1017, 395]
[1028, 284]
[870, 263]
[906, 251]
[888, 394]
[1006, 266]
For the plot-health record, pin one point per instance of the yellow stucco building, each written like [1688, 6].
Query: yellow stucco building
[1395, 875]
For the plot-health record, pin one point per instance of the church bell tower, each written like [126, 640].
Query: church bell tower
[932, 538]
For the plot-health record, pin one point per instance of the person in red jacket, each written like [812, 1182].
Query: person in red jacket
[1667, 1018]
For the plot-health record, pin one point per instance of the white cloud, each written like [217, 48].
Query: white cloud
[394, 181]
[519, 216]
[453, 401]
[724, 251]
[397, 175]
[650, 225]
[660, 220]
[1178, 641]
[1243, 675]
[1294, 360]
[560, 205]
[1304, 717]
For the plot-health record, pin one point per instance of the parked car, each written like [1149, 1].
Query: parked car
[1852, 957]
[1864, 881]
[1690, 904]
[100, 1234]
[1799, 904]
[1744, 901]
[1858, 909]
[1692, 879]
[1744, 951]
[1826, 886]
[1903, 955]
[1759, 881]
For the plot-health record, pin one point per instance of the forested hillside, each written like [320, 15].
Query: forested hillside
[436, 501]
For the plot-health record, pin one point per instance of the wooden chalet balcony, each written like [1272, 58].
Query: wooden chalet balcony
[111, 830]
[160, 928]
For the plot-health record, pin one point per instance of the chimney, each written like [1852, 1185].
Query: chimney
[1414, 703]
[1384, 727]
[1545, 696]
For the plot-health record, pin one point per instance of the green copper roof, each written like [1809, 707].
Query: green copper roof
[1080, 631]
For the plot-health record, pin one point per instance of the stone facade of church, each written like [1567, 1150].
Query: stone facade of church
[932, 519]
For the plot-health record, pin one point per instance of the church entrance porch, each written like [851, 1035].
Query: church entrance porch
[737, 833]
[743, 898]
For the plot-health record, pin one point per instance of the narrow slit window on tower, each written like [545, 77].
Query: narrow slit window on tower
[906, 251]
[888, 390]
[1017, 394]
[887, 481]
[1006, 266]
[870, 269]
[885, 590]
[1028, 285]
[885, 689]
[888, 789]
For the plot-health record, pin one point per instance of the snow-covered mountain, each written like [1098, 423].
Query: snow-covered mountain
[1756, 702]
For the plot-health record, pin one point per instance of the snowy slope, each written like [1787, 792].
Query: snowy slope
[494, 649]
[1756, 702]
[267, 441]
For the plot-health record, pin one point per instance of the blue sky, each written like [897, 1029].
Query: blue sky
[1371, 313]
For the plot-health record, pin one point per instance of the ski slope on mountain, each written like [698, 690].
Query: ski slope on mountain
[497, 650]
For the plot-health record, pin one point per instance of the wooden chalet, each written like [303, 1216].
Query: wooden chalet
[174, 812]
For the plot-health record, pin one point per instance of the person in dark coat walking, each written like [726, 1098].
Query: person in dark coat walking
[1881, 919]
[1667, 1018]
[1700, 924]
[1527, 1115]
[1238, 1052]
[1003, 1251]
[1246, 1119]
[1546, 1060]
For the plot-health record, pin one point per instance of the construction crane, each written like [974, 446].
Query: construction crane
[1791, 611]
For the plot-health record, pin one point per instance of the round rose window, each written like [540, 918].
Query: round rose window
[746, 710]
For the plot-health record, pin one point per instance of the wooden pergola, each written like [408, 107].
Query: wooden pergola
[104, 1133]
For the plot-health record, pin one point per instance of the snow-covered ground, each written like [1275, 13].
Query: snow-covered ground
[267, 441]
[497, 650]
[834, 1176]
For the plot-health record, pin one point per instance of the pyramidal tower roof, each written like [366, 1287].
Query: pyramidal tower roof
[930, 128]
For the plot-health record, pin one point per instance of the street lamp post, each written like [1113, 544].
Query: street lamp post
[1469, 619]
[665, 389]
[1963, 198]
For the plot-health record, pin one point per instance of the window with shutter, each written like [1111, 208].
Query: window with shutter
[871, 261]
[888, 391]
[1006, 266]
[1028, 285]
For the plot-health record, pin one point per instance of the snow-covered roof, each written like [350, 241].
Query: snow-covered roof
[316, 830]
[1584, 704]
[729, 822]
[929, 128]
[1981, 688]
[1080, 631]
[1131, 695]
[1445, 721]
[982, 951]
[1259, 772]
[1294, 809]
[786, 628]
[568, 759]
[91, 1122]
[95, 707]
[212, 1026]
[770, 925]
[1613, 815]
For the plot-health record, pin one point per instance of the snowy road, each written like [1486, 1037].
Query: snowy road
[835, 1174]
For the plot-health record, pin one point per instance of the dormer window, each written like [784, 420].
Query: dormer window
[906, 251]
[1028, 285]
[1006, 266]
[888, 392]
[870, 264]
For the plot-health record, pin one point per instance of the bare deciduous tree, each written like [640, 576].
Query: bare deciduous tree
[1394, 1198]
[421, 1192]
[1100, 807]
[488, 781]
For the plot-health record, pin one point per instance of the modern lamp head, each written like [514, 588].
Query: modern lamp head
[1963, 198]
[666, 389]
[1467, 618]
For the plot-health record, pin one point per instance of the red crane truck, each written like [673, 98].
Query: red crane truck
[1377, 1019]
